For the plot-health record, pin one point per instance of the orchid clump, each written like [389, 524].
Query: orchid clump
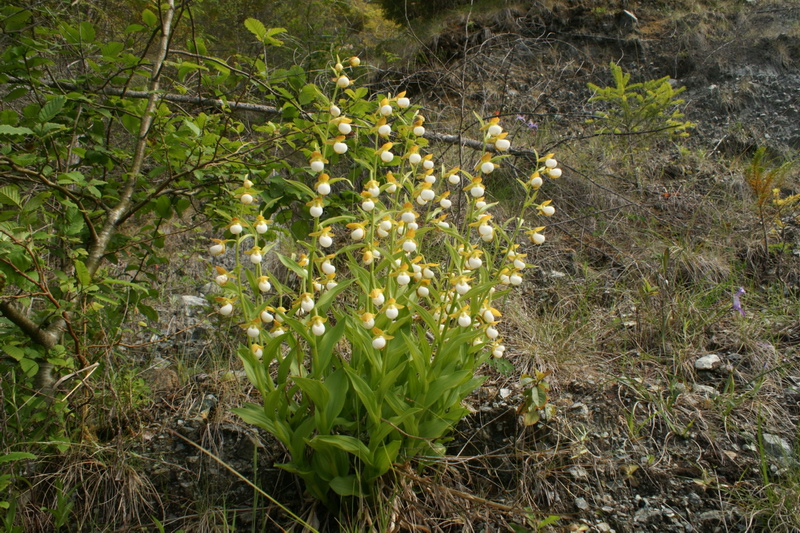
[365, 341]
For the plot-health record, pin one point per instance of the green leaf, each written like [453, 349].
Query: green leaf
[15, 352]
[148, 312]
[164, 207]
[17, 20]
[337, 388]
[51, 109]
[292, 265]
[383, 458]
[300, 229]
[16, 456]
[366, 394]
[257, 28]
[275, 31]
[344, 442]
[5, 129]
[308, 94]
[192, 126]
[149, 18]
[111, 50]
[255, 415]
[315, 390]
[9, 195]
[346, 485]
[87, 32]
[82, 273]
[16, 93]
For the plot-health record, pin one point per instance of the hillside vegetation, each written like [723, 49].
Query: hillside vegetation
[400, 266]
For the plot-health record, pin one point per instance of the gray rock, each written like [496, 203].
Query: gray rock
[581, 504]
[778, 447]
[708, 362]
[578, 472]
[705, 390]
[647, 514]
[193, 305]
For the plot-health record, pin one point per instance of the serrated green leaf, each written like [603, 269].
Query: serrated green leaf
[51, 108]
[112, 49]
[17, 21]
[5, 129]
[82, 273]
[273, 41]
[15, 352]
[87, 32]
[16, 456]
[257, 28]
[9, 195]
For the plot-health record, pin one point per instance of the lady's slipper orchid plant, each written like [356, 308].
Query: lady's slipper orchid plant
[364, 346]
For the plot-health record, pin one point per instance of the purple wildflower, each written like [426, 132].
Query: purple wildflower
[528, 123]
[737, 304]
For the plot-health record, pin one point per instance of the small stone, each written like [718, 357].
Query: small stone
[708, 362]
[581, 504]
[777, 447]
[603, 527]
[705, 390]
[580, 408]
[647, 514]
[505, 393]
[193, 304]
[578, 472]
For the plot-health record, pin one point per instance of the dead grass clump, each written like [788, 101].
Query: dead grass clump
[105, 487]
